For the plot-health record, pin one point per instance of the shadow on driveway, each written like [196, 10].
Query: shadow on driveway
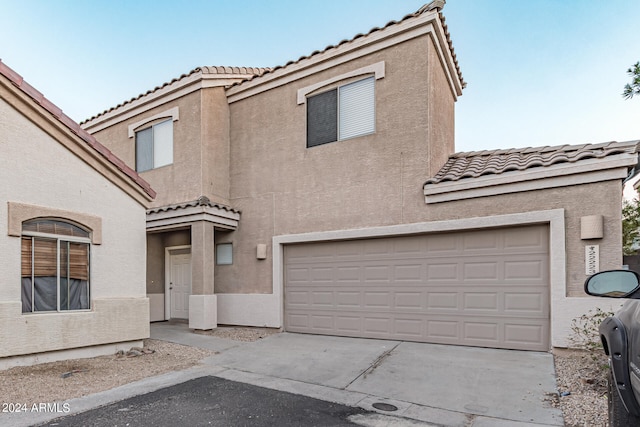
[211, 401]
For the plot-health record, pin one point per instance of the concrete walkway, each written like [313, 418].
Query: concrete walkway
[444, 385]
[430, 385]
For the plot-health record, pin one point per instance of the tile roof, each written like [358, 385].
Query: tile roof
[202, 201]
[89, 139]
[436, 4]
[259, 72]
[204, 70]
[481, 163]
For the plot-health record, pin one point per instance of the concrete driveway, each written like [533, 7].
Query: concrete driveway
[439, 384]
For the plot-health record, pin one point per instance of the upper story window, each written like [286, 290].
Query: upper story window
[345, 112]
[154, 146]
[55, 260]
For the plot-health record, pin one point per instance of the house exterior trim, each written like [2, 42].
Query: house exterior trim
[376, 69]
[162, 96]
[20, 212]
[174, 113]
[584, 172]
[427, 23]
[221, 218]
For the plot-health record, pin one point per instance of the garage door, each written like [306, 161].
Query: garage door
[487, 288]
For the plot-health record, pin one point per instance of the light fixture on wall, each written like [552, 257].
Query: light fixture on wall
[261, 251]
[591, 227]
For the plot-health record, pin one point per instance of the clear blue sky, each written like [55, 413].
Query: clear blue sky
[539, 72]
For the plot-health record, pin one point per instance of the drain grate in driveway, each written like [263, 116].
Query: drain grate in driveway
[385, 406]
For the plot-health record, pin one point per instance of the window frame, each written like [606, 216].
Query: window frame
[339, 123]
[225, 244]
[154, 144]
[58, 238]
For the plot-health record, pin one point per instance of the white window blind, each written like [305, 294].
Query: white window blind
[163, 144]
[154, 146]
[357, 109]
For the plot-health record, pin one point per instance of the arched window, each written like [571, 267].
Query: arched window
[55, 266]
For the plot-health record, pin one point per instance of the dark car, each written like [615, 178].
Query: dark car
[620, 335]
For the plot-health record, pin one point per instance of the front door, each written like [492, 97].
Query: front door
[180, 286]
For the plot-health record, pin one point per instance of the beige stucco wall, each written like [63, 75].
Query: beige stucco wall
[215, 145]
[602, 198]
[200, 136]
[155, 264]
[282, 187]
[441, 118]
[156, 244]
[36, 170]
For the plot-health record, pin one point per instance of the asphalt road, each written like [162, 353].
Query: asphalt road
[212, 401]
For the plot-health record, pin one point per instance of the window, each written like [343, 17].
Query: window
[224, 254]
[342, 113]
[55, 266]
[154, 146]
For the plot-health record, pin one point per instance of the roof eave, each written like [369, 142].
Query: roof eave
[194, 81]
[80, 142]
[591, 170]
[430, 23]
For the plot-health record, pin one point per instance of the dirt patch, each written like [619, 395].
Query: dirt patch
[239, 333]
[63, 380]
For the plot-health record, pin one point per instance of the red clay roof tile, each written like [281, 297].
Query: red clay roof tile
[35, 94]
[14, 77]
[51, 107]
[57, 113]
[70, 123]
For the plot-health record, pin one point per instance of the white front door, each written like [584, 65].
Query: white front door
[180, 285]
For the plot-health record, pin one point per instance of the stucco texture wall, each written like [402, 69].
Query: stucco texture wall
[200, 135]
[35, 169]
[283, 187]
[156, 244]
[602, 198]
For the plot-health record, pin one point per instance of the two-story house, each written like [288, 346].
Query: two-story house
[324, 196]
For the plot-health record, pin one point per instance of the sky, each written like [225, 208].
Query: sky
[538, 72]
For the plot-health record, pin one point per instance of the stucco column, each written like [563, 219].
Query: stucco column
[203, 305]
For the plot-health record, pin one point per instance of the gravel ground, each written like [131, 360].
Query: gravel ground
[579, 373]
[584, 376]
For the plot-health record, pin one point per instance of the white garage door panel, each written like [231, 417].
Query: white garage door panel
[484, 288]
